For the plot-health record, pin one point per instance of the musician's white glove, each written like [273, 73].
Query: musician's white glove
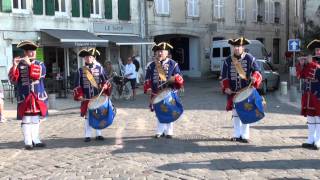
[253, 80]
[172, 80]
[228, 91]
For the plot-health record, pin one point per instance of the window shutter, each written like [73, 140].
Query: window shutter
[166, 8]
[75, 8]
[266, 8]
[255, 11]
[189, 7]
[222, 8]
[38, 7]
[196, 8]
[282, 8]
[85, 8]
[108, 9]
[50, 7]
[238, 10]
[124, 9]
[157, 6]
[216, 9]
[6, 6]
[272, 11]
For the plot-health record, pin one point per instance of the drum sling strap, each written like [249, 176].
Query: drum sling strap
[90, 77]
[161, 71]
[239, 68]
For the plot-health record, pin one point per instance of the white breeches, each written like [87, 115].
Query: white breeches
[240, 129]
[30, 129]
[166, 128]
[313, 130]
[88, 129]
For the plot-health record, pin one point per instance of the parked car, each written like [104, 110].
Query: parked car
[270, 77]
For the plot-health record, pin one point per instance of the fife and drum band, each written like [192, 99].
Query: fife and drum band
[240, 79]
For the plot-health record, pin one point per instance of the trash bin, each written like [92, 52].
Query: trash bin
[293, 94]
[52, 101]
[284, 88]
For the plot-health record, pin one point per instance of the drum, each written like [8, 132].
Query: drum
[167, 106]
[101, 112]
[249, 106]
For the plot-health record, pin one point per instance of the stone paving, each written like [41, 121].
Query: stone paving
[200, 149]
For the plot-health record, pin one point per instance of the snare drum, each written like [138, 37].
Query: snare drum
[167, 106]
[101, 112]
[249, 106]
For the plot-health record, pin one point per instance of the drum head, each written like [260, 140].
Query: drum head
[243, 95]
[159, 97]
[97, 102]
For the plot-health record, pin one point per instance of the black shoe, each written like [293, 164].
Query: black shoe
[244, 140]
[28, 147]
[169, 136]
[87, 139]
[308, 146]
[99, 138]
[236, 139]
[40, 145]
[157, 136]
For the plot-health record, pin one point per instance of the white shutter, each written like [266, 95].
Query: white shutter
[157, 5]
[255, 11]
[196, 8]
[166, 8]
[222, 8]
[282, 8]
[238, 10]
[189, 8]
[266, 8]
[243, 15]
[272, 11]
[216, 9]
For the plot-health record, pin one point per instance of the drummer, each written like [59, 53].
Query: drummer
[239, 70]
[89, 81]
[165, 75]
[308, 69]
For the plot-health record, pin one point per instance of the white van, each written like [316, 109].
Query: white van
[220, 50]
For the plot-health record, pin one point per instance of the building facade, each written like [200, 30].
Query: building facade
[192, 25]
[63, 27]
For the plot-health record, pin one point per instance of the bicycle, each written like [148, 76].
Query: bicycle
[120, 88]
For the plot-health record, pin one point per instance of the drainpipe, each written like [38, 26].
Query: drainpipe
[143, 32]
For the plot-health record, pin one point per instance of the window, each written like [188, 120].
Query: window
[108, 9]
[37, 7]
[218, 11]
[193, 8]
[75, 8]
[260, 16]
[162, 7]
[226, 52]
[240, 9]
[60, 7]
[5, 6]
[95, 8]
[215, 52]
[19, 6]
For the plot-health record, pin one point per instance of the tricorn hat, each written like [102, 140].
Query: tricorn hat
[314, 44]
[84, 53]
[93, 52]
[27, 45]
[239, 42]
[162, 46]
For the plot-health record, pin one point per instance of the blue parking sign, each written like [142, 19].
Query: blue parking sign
[294, 45]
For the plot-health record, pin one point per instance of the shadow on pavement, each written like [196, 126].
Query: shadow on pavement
[280, 127]
[231, 164]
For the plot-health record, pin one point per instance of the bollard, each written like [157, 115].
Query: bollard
[293, 94]
[284, 88]
[52, 101]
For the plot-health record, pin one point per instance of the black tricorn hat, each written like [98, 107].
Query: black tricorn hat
[162, 46]
[314, 44]
[27, 45]
[239, 42]
[93, 52]
[84, 53]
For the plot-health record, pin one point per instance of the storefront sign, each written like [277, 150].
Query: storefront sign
[39, 54]
[112, 28]
[85, 44]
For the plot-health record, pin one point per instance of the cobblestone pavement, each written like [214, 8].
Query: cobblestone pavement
[200, 149]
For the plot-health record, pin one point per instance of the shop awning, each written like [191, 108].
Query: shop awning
[70, 38]
[125, 40]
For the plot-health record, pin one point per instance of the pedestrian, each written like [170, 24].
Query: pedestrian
[90, 79]
[137, 65]
[308, 70]
[2, 118]
[161, 74]
[130, 74]
[238, 70]
[28, 74]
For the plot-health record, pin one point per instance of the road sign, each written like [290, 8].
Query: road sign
[294, 45]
